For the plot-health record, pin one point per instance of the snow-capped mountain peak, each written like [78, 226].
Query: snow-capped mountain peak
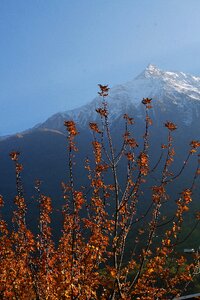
[165, 87]
[152, 70]
[170, 82]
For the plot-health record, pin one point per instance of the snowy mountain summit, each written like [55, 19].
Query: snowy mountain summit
[173, 81]
[171, 92]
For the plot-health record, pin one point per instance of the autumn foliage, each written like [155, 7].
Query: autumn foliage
[108, 249]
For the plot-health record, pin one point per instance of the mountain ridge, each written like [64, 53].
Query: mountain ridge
[153, 83]
[164, 87]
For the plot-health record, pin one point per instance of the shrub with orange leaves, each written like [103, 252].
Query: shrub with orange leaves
[108, 249]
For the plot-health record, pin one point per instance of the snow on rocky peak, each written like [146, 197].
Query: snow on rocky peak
[163, 86]
[152, 70]
[173, 81]
[157, 84]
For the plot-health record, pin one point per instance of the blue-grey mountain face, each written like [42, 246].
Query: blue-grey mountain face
[176, 98]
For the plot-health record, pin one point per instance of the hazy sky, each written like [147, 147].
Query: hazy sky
[53, 53]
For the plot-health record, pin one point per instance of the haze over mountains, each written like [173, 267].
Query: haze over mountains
[176, 98]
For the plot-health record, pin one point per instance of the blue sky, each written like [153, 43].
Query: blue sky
[54, 53]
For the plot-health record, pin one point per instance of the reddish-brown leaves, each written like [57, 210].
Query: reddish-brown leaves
[194, 145]
[103, 90]
[1, 201]
[102, 111]
[171, 126]
[94, 127]
[146, 101]
[130, 156]
[143, 162]
[14, 155]
[186, 194]
[71, 127]
[129, 120]
[79, 199]
[97, 150]
[158, 193]
[131, 142]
